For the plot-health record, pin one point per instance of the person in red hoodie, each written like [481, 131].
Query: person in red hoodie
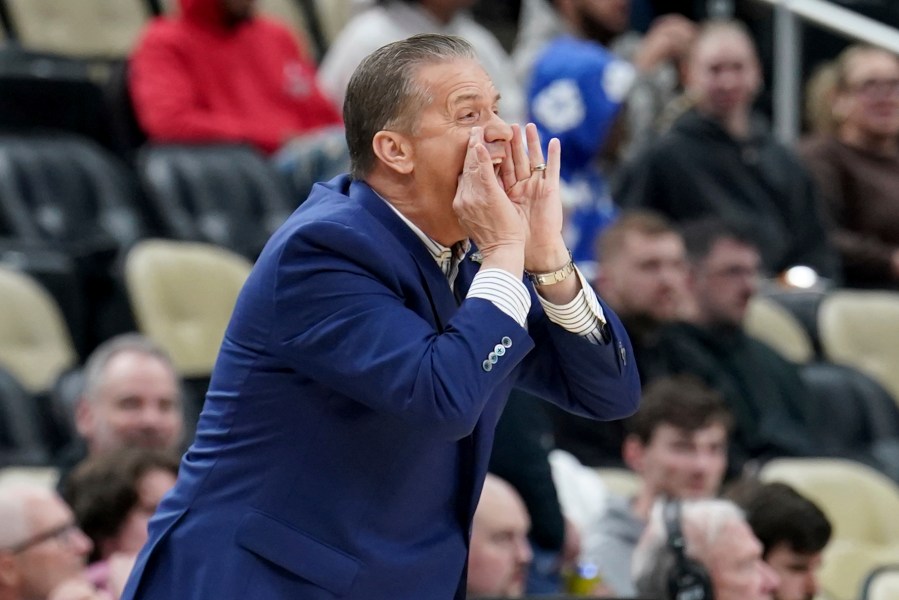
[217, 72]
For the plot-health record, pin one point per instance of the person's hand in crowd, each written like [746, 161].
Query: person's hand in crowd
[497, 226]
[667, 40]
[78, 589]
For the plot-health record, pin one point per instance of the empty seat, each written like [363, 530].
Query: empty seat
[35, 345]
[882, 583]
[861, 329]
[770, 322]
[182, 294]
[854, 416]
[50, 92]
[56, 272]
[224, 194]
[74, 193]
[95, 28]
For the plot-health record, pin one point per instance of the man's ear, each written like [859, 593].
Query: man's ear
[84, 418]
[394, 150]
[632, 453]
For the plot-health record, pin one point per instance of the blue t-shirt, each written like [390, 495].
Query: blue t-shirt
[576, 91]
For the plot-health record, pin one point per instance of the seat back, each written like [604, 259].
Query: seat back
[860, 502]
[182, 295]
[94, 28]
[51, 92]
[223, 194]
[21, 425]
[855, 414]
[76, 193]
[770, 322]
[882, 583]
[35, 345]
[846, 565]
[861, 329]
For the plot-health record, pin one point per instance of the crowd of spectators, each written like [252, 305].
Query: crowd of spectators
[681, 205]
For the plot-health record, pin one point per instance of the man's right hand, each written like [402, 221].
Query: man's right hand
[497, 225]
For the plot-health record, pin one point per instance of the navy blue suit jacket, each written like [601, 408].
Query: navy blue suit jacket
[348, 424]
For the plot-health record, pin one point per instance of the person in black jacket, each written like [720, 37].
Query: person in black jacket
[720, 159]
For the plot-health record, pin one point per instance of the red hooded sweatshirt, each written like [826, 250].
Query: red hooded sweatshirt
[195, 79]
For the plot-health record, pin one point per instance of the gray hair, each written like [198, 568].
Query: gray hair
[15, 520]
[702, 523]
[384, 92]
[94, 369]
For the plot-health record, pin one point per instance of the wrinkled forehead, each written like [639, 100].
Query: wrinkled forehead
[455, 81]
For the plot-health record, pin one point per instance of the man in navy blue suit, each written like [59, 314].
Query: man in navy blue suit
[346, 432]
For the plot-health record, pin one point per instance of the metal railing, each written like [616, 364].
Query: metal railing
[788, 48]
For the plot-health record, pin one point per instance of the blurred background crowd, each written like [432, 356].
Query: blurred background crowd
[148, 148]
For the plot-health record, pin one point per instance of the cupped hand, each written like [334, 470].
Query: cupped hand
[538, 193]
[494, 223]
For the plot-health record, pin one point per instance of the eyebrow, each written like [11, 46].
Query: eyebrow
[473, 97]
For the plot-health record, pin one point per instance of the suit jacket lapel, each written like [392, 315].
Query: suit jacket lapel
[435, 285]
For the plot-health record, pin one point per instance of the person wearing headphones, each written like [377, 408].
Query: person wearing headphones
[701, 550]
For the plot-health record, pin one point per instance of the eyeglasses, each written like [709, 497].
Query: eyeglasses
[879, 87]
[64, 533]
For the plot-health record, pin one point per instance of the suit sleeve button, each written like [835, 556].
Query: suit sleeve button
[506, 341]
[487, 365]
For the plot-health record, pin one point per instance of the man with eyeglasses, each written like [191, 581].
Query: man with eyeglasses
[40, 545]
[769, 401]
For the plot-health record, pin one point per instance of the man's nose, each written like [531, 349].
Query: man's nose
[80, 543]
[497, 130]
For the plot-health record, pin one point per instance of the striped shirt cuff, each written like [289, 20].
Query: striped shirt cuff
[582, 316]
[507, 292]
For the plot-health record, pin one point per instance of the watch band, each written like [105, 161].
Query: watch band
[553, 276]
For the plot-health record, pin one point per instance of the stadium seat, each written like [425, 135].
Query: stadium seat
[35, 345]
[847, 563]
[223, 194]
[182, 295]
[854, 416]
[85, 28]
[21, 425]
[770, 322]
[882, 583]
[861, 503]
[861, 329]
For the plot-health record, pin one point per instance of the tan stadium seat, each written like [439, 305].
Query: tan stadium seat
[35, 344]
[771, 323]
[861, 503]
[846, 565]
[182, 295]
[92, 28]
[882, 583]
[861, 329]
